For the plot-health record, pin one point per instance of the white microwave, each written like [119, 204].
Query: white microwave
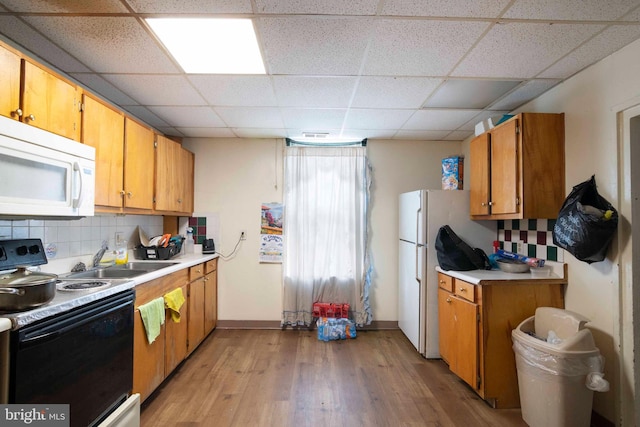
[44, 175]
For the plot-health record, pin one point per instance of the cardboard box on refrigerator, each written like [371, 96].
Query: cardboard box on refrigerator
[453, 173]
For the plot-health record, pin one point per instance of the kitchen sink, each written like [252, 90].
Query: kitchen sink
[143, 265]
[107, 273]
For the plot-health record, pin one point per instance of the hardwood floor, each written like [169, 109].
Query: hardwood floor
[290, 378]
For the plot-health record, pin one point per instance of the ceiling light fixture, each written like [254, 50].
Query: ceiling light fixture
[210, 45]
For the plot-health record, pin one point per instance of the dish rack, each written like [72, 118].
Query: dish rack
[159, 252]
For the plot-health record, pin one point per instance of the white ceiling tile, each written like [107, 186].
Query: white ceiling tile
[143, 113]
[188, 116]
[439, 119]
[235, 90]
[207, 132]
[67, 6]
[298, 134]
[467, 93]
[33, 41]
[191, 6]
[313, 46]
[325, 7]
[611, 39]
[358, 118]
[356, 134]
[574, 10]
[493, 57]
[293, 91]
[259, 133]
[106, 44]
[634, 15]
[524, 93]
[99, 85]
[254, 117]
[314, 118]
[445, 8]
[157, 89]
[426, 135]
[393, 92]
[458, 135]
[419, 48]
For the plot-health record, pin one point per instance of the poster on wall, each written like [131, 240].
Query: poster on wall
[271, 233]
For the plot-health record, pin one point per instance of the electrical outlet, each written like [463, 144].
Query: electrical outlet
[520, 245]
[243, 235]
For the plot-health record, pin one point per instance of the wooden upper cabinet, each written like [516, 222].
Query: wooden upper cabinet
[517, 169]
[138, 166]
[9, 83]
[174, 177]
[50, 102]
[103, 129]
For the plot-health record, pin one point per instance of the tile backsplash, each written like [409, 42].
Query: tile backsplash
[534, 236]
[63, 239]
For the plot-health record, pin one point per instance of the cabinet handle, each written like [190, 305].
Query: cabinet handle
[179, 200]
[490, 203]
[449, 300]
[129, 194]
[462, 289]
[122, 193]
[442, 282]
[31, 117]
[17, 113]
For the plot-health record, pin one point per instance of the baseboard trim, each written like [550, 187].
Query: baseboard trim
[275, 324]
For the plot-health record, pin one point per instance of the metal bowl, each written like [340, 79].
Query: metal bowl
[512, 266]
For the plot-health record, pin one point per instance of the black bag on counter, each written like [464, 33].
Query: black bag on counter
[586, 223]
[454, 254]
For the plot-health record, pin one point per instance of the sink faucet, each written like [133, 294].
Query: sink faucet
[98, 256]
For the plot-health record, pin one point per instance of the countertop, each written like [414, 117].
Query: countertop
[479, 277]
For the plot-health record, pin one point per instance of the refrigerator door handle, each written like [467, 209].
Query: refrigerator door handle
[417, 264]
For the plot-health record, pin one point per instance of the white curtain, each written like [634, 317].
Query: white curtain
[326, 195]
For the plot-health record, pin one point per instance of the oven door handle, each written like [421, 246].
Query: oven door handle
[51, 335]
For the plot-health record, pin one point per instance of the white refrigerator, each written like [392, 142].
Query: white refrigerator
[422, 213]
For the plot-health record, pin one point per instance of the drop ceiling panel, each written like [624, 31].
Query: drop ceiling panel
[427, 135]
[458, 135]
[439, 119]
[313, 46]
[157, 89]
[191, 6]
[206, 132]
[614, 37]
[143, 113]
[324, 7]
[188, 116]
[393, 92]
[314, 118]
[259, 132]
[575, 10]
[445, 8]
[329, 92]
[523, 94]
[235, 90]
[493, 57]
[99, 85]
[68, 6]
[470, 93]
[254, 117]
[359, 118]
[106, 44]
[355, 134]
[405, 47]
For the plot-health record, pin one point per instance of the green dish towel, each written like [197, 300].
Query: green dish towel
[152, 314]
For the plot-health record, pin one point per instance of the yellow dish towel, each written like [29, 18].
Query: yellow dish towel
[174, 301]
[152, 314]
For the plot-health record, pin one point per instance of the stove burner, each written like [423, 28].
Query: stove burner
[82, 286]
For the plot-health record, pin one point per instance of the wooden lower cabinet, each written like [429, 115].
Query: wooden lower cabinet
[475, 325]
[196, 314]
[148, 359]
[210, 296]
[203, 302]
[176, 334]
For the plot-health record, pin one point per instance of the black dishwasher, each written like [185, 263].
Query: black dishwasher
[82, 357]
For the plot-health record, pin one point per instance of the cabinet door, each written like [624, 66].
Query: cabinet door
[465, 358]
[446, 317]
[138, 166]
[50, 103]
[103, 129]
[479, 195]
[210, 302]
[505, 176]
[176, 337]
[186, 176]
[148, 359]
[196, 313]
[9, 83]
[167, 178]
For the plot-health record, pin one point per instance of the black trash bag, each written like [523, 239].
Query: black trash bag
[454, 254]
[586, 223]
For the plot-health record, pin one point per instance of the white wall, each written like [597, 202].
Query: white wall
[590, 101]
[235, 176]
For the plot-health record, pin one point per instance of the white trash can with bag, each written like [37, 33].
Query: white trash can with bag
[559, 367]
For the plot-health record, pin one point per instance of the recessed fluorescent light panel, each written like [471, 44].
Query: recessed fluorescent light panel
[210, 45]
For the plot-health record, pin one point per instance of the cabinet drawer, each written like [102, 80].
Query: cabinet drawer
[211, 266]
[445, 282]
[465, 290]
[196, 272]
